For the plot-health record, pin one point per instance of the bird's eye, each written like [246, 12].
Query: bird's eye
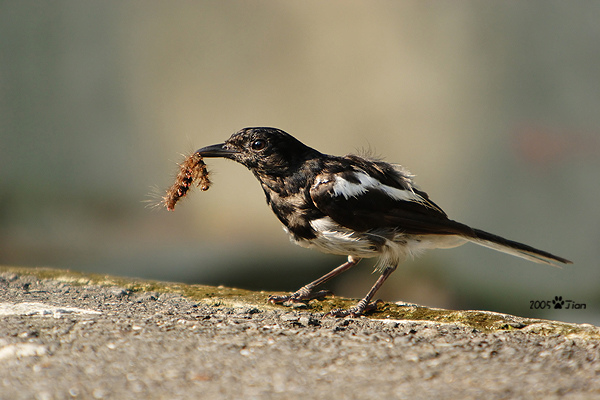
[258, 144]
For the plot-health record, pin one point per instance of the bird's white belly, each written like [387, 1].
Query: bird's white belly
[343, 243]
[335, 239]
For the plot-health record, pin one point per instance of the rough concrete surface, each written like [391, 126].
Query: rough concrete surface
[65, 335]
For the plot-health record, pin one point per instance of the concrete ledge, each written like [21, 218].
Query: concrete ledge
[235, 298]
[65, 334]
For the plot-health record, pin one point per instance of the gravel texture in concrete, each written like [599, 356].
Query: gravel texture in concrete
[70, 338]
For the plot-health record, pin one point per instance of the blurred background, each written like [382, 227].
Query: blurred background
[493, 105]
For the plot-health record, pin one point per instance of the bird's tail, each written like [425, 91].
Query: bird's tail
[515, 248]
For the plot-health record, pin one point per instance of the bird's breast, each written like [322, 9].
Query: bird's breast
[295, 212]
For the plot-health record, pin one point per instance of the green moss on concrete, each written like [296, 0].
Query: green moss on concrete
[232, 297]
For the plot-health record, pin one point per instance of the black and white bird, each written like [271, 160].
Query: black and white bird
[351, 206]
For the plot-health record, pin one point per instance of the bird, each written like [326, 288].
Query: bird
[353, 206]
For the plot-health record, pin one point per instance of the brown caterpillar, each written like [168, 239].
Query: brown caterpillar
[191, 170]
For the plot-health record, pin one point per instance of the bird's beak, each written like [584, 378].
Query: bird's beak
[216, 150]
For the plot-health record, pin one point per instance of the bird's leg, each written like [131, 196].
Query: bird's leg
[365, 304]
[305, 292]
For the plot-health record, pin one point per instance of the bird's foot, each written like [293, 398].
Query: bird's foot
[356, 311]
[298, 298]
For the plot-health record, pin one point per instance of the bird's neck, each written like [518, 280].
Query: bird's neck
[289, 181]
[283, 185]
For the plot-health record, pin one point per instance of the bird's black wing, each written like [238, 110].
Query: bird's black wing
[367, 197]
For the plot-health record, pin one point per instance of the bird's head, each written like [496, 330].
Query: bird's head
[265, 151]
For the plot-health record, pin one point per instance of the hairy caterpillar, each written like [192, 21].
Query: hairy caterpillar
[191, 170]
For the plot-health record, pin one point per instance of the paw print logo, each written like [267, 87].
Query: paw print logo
[558, 302]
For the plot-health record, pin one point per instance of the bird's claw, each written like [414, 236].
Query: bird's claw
[356, 311]
[298, 297]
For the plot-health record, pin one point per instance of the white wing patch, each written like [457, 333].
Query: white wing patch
[349, 189]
